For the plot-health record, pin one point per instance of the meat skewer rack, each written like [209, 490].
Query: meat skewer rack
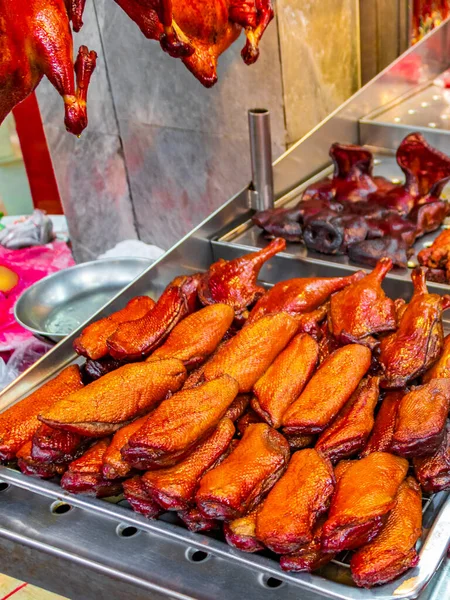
[102, 548]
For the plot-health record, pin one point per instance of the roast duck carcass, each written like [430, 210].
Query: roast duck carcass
[286, 418]
[365, 216]
[36, 40]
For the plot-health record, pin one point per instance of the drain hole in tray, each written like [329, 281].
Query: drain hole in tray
[271, 582]
[3, 486]
[196, 556]
[126, 531]
[60, 508]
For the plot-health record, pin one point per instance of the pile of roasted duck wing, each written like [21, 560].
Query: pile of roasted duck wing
[307, 419]
[365, 216]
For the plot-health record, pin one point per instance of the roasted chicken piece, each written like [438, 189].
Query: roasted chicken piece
[135, 339]
[174, 487]
[441, 368]
[36, 40]
[199, 31]
[383, 430]
[311, 322]
[286, 521]
[365, 493]
[248, 355]
[114, 465]
[239, 483]
[348, 433]
[84, 475]
[285, 379]
[179, 424]
[53, 446]
[309, 558]
[241, 533]
[197, 336]
[19, 423]
[437, 256]
[234, 282]
[420, 424]
[196, 522]
[393, 551]
[92, 341]
[100, 408]
[34, 468]
[363, 309]
[418, 341]
[433, 472]
[139, 500]
[301, 295]
[328, 390]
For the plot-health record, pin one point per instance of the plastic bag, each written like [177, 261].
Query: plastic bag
[21, 359]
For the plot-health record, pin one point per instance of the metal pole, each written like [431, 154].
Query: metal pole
[261, 191]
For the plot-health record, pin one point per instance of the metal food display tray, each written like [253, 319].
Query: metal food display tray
[107, 545]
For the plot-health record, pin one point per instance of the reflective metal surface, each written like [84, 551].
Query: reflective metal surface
[261, 192]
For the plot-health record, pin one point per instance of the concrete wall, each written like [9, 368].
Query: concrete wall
[161, 152]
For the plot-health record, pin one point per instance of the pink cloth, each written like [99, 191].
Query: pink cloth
[31, 265]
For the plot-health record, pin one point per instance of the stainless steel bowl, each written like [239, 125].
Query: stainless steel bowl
[56, 305]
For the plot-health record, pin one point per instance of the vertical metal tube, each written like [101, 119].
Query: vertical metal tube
[261, 194]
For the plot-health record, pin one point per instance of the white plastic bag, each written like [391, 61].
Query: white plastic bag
[21, 359]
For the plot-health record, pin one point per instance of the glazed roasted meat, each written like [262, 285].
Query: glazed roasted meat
[383, 430]
[420, 424]
[174, 487]
[94, 369]
[196, 522]
[139, 500]
[286, 521]
[433, 472]
[92, 341]
[328, 390]
[310, 557]
[135, 339]
[36, 41]
[437, 256]
[114, 465]
[19, 423]
[180, 423]
[84, 475]
[248, 355]
[365, 493]
[241, 532]
[240, 482]
[285, 379]
[363, 309]
[393, 551]
[419, 339]
[301, 295]
[238, 407]
[250, 417]
[197, 336]
[369, 252]
[53, 446]
[101, 408]
[34, 468]
[234, 282]
[441, 368]
[348, 433]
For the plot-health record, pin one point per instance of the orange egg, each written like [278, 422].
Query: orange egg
[8, 279]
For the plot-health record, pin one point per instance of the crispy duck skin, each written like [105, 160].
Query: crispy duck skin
[197, 336]
[285, 379]
[84, 475]
[179, 424]
[196, 522]
[240, 482]
[139, 338]
[94, 369]
[363, 309]
[248, 355]
[105, 405]
[238, 407]
[311, 322]
[234, 282]
[383, 430]
[393, 551]
[250, 417]
[418, 341]
[19, 423]
[310, 557]
[348, 433]
[365, 493]
[241, 533]
[114, 465]
[300, 295]
[29, 466]
[433, 472]
[420, 424]
[92, 341]
[328, 390]
[286, 521]
[53, 446]
[139, 500]
[441, 367]
[437, 256]
[299, 441]
[174, 488]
